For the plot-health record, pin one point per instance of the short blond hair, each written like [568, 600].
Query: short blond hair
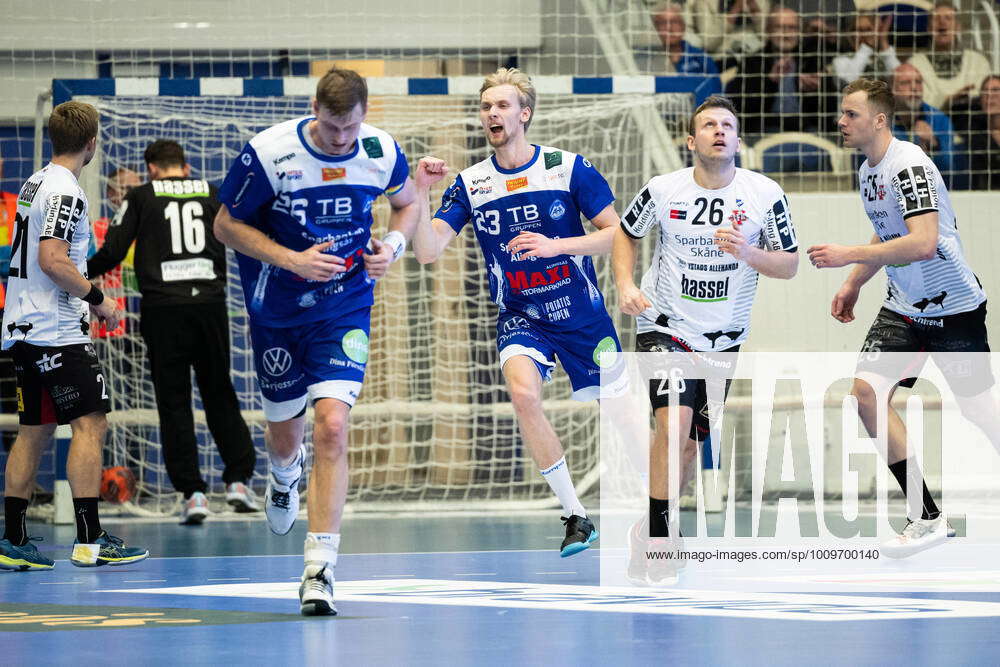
[513, 77]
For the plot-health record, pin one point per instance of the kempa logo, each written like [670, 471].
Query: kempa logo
[277, 361]
[607, 344]
[47, 363]
[355, 345]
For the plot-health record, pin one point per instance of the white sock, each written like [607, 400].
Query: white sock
[322, 548]
[287, 474]
[557, 475]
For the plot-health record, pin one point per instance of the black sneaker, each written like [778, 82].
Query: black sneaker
[580, 532]
[648, 564]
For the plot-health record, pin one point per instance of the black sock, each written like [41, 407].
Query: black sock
[88, 524]
[15, 510]
[929, 509]
[659, 517]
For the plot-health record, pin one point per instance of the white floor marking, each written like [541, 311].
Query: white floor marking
[553, 597]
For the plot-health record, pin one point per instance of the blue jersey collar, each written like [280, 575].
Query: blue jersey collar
[316, 154]
[524, 166]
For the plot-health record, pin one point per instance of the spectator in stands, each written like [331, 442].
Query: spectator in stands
[970, 118]
[682, 58]
[784, 88]
[920, 123]
[950, 71]
[729, 29]
[984, 141]
[826, 19]
[874, 56]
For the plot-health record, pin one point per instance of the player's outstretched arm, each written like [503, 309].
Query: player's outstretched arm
[313, 263]
[773, 263]
[121, 234]
[631, 300]
[56, 264]
[431, 237]
[532, 244]
[920, 244]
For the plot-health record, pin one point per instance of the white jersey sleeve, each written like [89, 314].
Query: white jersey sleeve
[51, 205]
[905, 183]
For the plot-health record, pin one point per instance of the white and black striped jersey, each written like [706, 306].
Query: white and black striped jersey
[903, 184]
[699, 293]
[51, 205]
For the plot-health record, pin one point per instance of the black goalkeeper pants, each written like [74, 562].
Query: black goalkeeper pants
[179, 338]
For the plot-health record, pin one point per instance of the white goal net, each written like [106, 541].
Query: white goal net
[434, 423]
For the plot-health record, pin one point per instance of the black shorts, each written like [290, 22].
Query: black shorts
[58, 384]
[920, 336]
[695, 393]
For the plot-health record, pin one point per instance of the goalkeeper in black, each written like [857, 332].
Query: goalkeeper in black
[181, 272]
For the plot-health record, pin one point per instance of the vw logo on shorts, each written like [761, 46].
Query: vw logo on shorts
[277, 361]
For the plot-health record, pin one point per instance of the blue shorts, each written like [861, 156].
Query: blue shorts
[324, 359]
[579, 350]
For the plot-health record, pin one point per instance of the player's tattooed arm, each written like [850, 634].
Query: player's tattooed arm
[313, 263]
[431, 237]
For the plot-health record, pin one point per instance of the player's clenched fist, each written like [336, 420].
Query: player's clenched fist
[631, 300]
[429, 171]
[107, 312]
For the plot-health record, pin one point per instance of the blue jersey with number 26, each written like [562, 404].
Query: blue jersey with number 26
[299, 197]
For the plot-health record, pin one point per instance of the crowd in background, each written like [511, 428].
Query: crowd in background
[784, 65]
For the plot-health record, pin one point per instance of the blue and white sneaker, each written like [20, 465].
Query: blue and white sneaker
[580, 533]
[281, 501]
[24, 557]
[106, 550]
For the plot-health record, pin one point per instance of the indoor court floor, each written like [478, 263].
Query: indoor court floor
[467, 589]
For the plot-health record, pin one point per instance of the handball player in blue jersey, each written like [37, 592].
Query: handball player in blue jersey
[525, 203]
[297, 210]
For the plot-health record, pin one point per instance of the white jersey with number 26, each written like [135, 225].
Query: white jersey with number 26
[699, 293]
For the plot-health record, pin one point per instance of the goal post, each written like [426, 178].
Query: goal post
[433, 424]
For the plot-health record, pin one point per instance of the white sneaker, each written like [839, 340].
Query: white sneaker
[195, 509]
[316, 590]
[919, 534]
[241, 497]
[281, 502]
